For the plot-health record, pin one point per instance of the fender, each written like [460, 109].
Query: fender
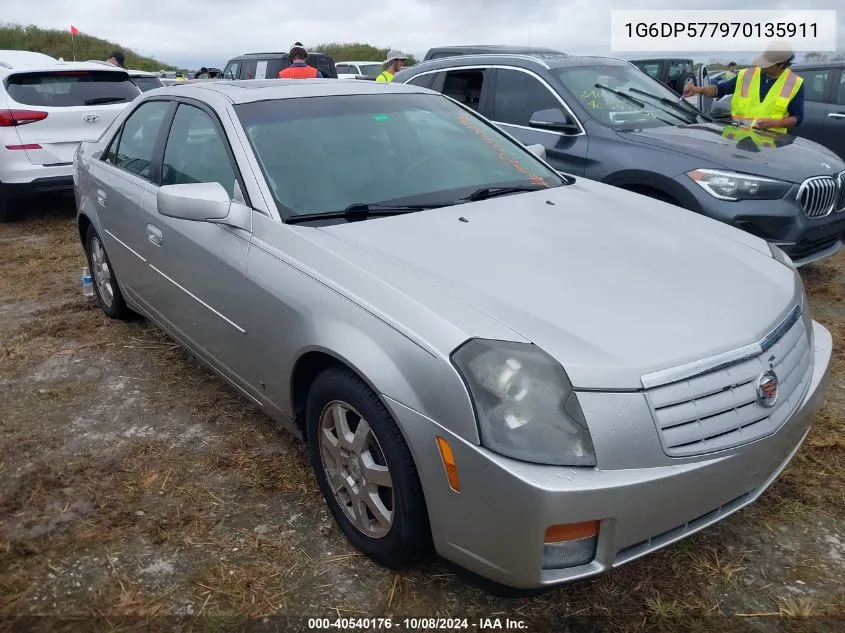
[636, 178]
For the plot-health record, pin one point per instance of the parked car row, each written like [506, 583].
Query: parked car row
[604, 119]
[577, 377]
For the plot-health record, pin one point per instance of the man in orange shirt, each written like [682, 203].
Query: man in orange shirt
[298, 69]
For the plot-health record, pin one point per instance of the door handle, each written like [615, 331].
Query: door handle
[836, 115]
[154, 235]
[101, 197]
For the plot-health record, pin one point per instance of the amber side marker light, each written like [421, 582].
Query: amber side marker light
[570, 545]
[448, 459]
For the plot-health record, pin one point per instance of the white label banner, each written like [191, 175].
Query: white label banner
[716, 31]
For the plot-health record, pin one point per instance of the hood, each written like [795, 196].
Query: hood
[793, 159]
[612, 284]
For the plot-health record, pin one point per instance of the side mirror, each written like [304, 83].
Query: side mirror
[554, 120]
[198, 202]
[538, 150]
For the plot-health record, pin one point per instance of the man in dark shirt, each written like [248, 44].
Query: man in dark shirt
[772, 63]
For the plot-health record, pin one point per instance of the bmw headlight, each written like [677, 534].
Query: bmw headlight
[525, 404]
[729, 185]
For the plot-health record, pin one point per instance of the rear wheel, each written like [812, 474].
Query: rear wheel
[7, 212]
[365, 470]
[106, 288]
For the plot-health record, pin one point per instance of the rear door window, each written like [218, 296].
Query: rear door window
[69, 89]
[464, 86]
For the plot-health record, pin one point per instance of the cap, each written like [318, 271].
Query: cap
[777, 52]
[393, 55]
[297, 46]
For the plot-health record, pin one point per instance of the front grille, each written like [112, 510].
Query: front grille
[819, 195]
[718, 409]
[631, 552]
[811, 247]
[839, 207]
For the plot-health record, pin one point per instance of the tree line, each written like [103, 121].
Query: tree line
[59, 44]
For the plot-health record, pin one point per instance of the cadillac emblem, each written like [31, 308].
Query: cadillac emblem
[767, 389]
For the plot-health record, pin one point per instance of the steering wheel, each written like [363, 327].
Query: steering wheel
[427, 159]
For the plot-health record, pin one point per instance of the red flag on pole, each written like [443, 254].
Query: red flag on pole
[74, 30]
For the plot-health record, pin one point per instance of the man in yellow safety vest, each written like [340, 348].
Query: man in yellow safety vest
[392, 65]
[766, 96]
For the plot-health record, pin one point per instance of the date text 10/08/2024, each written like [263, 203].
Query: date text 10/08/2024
[417, 624]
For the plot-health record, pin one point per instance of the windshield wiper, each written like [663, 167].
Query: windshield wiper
[102, 100]
[491, 192]
[679, 106]
[362, 211]
[621, 95]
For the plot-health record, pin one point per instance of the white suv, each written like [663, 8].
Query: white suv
[47, 108]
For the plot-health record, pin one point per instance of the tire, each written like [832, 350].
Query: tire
[106, 288]
[339, 398]
[7, 211]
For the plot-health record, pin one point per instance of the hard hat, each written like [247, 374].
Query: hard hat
[393, 55]
[778, 52]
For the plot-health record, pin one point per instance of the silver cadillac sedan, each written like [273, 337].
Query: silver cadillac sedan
[535, 377]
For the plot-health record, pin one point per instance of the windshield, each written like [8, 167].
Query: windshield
[619, 111]
[70, 89]
[370, 70]
[416, 149]
[147, 83]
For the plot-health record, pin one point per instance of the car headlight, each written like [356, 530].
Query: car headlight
[782, 257]
[525, 404]
[728, 185]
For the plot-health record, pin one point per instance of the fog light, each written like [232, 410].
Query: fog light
[570, 545]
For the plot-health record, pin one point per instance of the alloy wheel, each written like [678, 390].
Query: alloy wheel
[356, 469]
[101, 272]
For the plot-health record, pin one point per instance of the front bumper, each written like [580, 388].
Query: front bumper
[495, 525]
[780, 222]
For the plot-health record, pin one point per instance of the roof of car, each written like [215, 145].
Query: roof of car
[491, 48]
[250, 90]
[546, 60]
[50, 65]
[16, 59]
[363, 61]
[275, 54]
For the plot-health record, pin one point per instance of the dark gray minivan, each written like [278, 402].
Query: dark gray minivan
[604, 119]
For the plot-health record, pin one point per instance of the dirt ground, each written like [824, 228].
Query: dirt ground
[135, 485]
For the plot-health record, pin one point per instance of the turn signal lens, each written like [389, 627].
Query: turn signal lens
[448, 459]
[570, 545]
[571, 532]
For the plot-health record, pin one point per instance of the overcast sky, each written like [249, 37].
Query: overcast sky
[193, 33]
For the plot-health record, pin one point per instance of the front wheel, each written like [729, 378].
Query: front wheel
[365, 471]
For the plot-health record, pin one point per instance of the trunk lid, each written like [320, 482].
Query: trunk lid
[80, 105]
